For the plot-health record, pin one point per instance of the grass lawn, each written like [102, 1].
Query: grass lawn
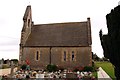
[94, 74]
[107, 66]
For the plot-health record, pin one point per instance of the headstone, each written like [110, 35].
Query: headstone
[39, 75]
[1, 64]
[12, 69]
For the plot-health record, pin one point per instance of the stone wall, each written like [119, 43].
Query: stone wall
[30, 55]
[82, 56]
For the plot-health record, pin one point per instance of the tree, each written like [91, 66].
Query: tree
[111, 42]
[95, 57]
[15, 61]
[105, 59]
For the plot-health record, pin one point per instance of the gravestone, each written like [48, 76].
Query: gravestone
[1, 63]
[12, 69]
[111, 42]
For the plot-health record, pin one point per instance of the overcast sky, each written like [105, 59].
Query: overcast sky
[50, 11]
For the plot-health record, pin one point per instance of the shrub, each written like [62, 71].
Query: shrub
[88, 68]
[52, 67]
[23, 67]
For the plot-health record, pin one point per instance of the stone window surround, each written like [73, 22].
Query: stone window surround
[68, 53]
[37, 55]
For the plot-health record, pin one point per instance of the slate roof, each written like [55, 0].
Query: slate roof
[60, 34]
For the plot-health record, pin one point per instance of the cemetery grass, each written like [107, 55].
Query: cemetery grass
[107, 67]
[94, 74]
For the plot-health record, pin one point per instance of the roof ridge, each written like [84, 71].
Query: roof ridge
[60, 23]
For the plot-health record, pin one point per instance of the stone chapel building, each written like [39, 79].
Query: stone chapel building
[63, 44]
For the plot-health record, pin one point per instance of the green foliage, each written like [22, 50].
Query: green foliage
[52, 68]
[15, 61]
[88, 68]
[23, 67]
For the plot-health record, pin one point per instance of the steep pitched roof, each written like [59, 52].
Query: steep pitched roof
[59, 34]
